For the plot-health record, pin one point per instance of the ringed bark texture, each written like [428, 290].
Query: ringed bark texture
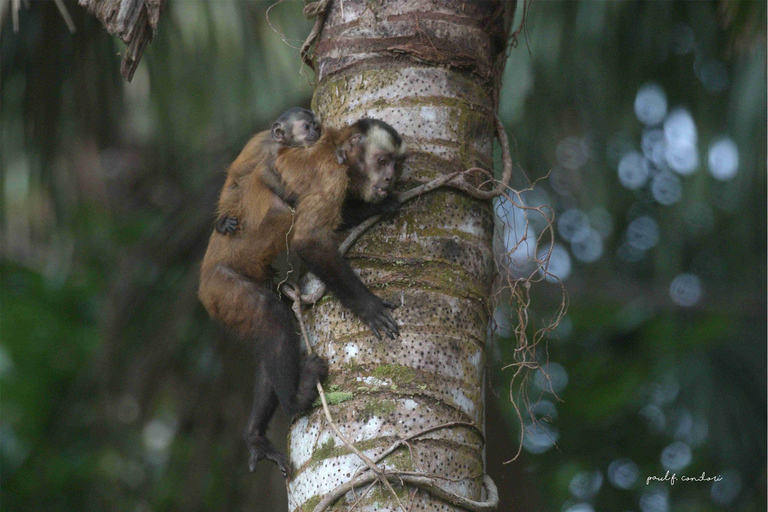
[427, 68]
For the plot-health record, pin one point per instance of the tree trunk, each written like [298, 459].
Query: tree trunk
[430, 69]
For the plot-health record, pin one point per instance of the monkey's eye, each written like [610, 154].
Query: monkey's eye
[306, 126]
[383, 161]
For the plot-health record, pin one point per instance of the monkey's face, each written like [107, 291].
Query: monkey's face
[380, 160]
[374, 151]
[296, 127]
[305, 131]
[379, 168]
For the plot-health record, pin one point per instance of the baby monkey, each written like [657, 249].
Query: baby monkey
[295, 127]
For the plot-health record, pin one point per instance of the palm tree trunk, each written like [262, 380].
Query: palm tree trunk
[429, 68]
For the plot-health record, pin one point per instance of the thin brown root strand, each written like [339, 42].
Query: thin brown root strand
[279, 34]
[317, 10]
[516, 284]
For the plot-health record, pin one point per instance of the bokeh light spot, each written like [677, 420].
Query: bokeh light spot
[580, 507]
[623, 473]
[653, 146]
[666, 188]
[676, 456]
[655, 500]
[539, 437]
[650, 104]
[552, 377]
[572, 153]
[587, 245]
[558, 267]
[726, 490]
[571, 222]
[685, 290]
[158, 435]
[634, 171]
[643, 233]
[723, 159]
[586, 484]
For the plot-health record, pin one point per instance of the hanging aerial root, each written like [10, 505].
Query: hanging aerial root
[317, 10]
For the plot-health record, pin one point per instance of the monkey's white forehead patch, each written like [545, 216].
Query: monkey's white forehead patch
[380, 138]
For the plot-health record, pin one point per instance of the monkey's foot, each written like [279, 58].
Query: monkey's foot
[260, 448]
[315, 370]
[315, 366]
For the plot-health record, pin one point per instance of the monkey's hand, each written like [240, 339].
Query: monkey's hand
[389, 206]
[376, 316]
[356, 210]
[226, 225]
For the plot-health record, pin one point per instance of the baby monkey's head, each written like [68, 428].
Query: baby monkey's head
[296, 127]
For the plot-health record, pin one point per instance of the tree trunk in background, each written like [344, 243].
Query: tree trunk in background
[427, 68]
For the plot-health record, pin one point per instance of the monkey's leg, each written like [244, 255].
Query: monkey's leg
[264, 406]
[247, 306]
[295, 384]
[255, 312]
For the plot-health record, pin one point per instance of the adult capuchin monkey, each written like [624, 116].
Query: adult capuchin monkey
[235, 280]
[296, 127]
[367, 195]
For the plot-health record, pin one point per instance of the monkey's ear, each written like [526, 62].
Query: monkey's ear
[350, 146]
[354, 141]
[277, 132]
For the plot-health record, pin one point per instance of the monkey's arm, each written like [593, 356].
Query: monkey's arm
[331, 268]
[272, 180]
[356, 210]
[318, 214]
[229, 208]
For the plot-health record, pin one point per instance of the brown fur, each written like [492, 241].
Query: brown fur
[315, 175]
[244, 195]
[232, 264]
[296, 127]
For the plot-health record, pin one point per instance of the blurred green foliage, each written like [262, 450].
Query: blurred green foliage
[118, 393]
[661, 385]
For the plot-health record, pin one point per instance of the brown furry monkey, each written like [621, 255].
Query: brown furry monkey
[235, 281]
[296, 127]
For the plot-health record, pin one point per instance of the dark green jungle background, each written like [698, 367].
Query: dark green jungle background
[649, 119]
